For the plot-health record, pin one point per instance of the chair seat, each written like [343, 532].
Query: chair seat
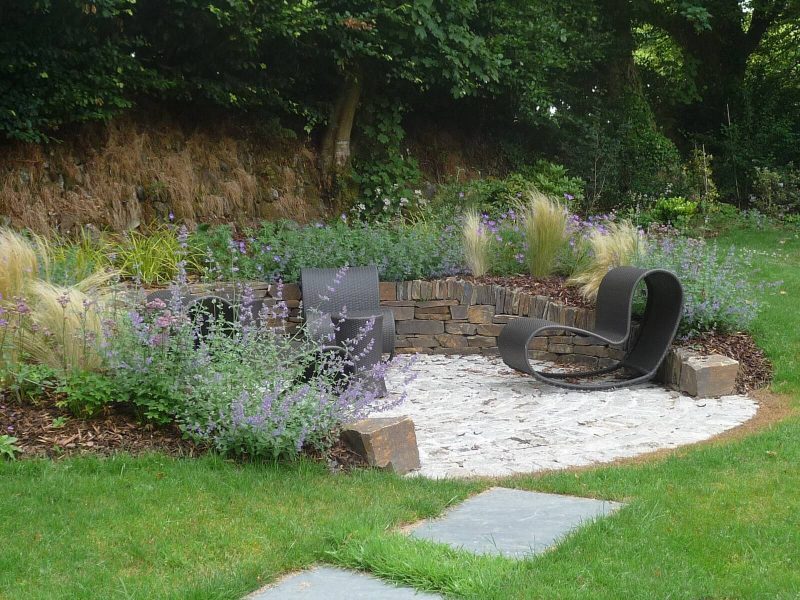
[612, 326]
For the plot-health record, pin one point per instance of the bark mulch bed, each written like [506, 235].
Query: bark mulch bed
[47, 430]
[755, 370]
[554, 287]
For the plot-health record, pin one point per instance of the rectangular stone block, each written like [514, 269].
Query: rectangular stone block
[461, 328]
[542, 355]
[480, 313]
[559, 348]
[424, 305]
[538, 343]
[425, 290]
[709, 376]
[480, 341]
[599, 351]
[388, 290]
[432, 310]
[459, 311]
[503, 319]
[386, 443]
[434, 317]
[423, 341]
[447, 340]
[403, 313]
[669, 373]
[490, 329]
[393, 303]
[420, 326]
[577, 359]
[416, 290]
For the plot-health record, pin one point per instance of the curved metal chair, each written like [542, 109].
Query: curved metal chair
[658, 327]
[357, 289]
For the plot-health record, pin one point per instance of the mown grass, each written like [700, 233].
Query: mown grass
[713, 521]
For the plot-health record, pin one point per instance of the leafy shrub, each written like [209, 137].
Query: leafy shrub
[675, 210]
[86, 393]
[28, 382]
[553, 180]
[777, 191]
[281, 249]
[243, 388]
[495, 196]
[544, 226]
[477, 244]
[718, 295]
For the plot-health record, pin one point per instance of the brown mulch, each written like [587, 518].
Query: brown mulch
[47, 430]
[755, 370]
[554, 287]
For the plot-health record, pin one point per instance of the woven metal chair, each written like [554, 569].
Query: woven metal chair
[357, 290]
[615, 297]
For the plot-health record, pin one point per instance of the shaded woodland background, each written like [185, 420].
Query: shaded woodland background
[117, 112]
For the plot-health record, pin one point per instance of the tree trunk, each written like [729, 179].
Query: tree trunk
[335, 154]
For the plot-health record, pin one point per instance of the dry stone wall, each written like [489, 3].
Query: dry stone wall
[452, 316]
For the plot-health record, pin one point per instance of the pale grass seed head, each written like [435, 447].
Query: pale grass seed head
[18, 263]
[477, 243]
[619, 245]
[544, 225]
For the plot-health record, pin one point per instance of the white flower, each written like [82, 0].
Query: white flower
[403, 201]
[386, 202]
[362, 207]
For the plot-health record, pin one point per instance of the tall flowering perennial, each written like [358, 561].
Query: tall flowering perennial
[243, 387]
[718, 295]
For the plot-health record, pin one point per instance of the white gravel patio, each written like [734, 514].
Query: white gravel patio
[474, 416]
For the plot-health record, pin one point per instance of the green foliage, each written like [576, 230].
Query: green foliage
[8, 447]
[777, 191]
[281, 249]
[86, 393]
[675, 210]
[28, 382]
[494, 196]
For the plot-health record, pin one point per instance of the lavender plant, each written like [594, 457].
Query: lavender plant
[717, 294]
[242, 388]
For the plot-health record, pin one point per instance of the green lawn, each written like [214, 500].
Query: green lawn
[717, 521]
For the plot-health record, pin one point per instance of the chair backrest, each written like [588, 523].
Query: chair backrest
[330, 290]
[661, 317]
[660, 322]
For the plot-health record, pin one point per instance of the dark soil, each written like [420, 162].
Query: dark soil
[44, 429]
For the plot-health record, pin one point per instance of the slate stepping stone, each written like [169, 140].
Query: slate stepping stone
[328, 583]
[512, 523]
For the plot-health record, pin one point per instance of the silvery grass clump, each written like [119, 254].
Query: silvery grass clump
[61, 327]
[478, 241]
[719, 295]
[244, 388]
[544, 226]
[614, 244]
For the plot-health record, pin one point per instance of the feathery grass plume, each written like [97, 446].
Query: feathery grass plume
[544, 225]
[477, 243]
[64, 328]
[18, 263]
[617, 245]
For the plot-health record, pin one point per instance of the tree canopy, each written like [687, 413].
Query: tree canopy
[620, 85]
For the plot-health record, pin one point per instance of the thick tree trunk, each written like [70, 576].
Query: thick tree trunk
[335, 152]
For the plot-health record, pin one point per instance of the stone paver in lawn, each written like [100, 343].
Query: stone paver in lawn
[328, 583]
[512, 523]
[474, 416]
